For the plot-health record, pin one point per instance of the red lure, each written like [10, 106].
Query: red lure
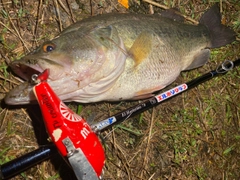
[61, 122]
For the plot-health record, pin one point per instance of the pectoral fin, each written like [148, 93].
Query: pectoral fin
[141, 47]
[146, 93]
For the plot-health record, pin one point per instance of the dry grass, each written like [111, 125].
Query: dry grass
[193, 136]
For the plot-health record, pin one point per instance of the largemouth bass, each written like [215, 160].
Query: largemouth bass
[115, 57]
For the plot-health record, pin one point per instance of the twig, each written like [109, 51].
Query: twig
[28, 118]
[156, 4]
[37, 21]
[58, 14]
[7, 60]
[92, 10]
[70, 9]
[152, 176]
[125, 163]
[18, 34]
[65, 9]
[148, 141]
[4, 118]
[165, 7]
[151, 11]
[11, 31]
[221, 9]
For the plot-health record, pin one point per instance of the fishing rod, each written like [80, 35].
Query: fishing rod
[18, 165]
[156, 100]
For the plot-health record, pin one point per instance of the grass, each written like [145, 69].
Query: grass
[192, 136]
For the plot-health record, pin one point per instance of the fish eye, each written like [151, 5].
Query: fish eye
[48, 47]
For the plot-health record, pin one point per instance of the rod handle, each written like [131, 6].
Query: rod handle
[20, 164]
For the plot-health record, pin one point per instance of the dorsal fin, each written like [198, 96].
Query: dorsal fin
[174, 14]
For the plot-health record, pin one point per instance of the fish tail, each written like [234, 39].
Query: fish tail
[220, 35]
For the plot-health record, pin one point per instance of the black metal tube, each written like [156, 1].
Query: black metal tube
[18, 165]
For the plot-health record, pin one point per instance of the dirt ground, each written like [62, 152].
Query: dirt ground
[193, 136]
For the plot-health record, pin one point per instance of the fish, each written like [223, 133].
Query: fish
[116, 57]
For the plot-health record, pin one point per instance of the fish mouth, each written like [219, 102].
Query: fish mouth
[23, 94]
[25, 71]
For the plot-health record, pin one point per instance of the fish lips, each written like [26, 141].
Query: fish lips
[23, 93]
